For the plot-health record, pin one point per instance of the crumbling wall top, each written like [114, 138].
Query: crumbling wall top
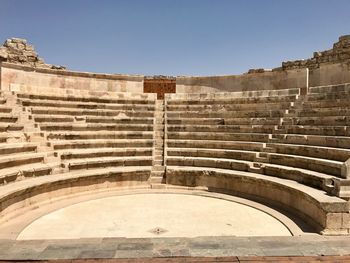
[18, 51]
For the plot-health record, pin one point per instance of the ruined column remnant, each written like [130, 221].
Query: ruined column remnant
[18, 51]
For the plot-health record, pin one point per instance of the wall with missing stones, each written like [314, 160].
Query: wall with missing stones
[340, 53]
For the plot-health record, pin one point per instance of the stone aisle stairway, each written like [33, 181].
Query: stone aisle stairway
[158, 170]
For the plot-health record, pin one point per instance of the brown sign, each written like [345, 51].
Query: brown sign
[159, 86]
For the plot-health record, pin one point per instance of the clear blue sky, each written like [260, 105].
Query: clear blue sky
[174, 37]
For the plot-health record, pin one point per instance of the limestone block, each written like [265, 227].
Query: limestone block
[18, 40]
[334, 220]
[345, 170]
[346, 220]
[3, 54]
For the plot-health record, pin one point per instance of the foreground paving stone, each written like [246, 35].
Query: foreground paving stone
[176, 248]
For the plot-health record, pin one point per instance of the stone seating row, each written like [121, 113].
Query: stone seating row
[314, 130]
[234, 106]
[121, 143]
[312, 101]
[87, 135]
[102, 162]
[174, 132]
[4, 109]
[231, 101]
[330, 89]
[91, 119]
[267, 129]
[48, 126]
[315, 140]
[88, 112]
[86, 105]
[283, 121]
[16, 198]
[130, 98]
[226, 114]
[242, 96]
[103, 152]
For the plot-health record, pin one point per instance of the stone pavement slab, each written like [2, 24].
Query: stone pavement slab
[161, 248]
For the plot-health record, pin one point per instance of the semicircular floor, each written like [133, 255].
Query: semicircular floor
[154, 215]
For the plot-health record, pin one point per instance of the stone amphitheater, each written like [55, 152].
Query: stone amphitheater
[132, 166]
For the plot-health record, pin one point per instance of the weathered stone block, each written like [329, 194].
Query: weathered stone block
[346, 220]
[345, 170]
[334, 220]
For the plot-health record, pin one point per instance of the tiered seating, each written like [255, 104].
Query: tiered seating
[273, 139]
[90, 132]
[18, 158]
[317, 131]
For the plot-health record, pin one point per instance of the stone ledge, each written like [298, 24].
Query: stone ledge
[315, 207]
[73, 73]
[16, 198]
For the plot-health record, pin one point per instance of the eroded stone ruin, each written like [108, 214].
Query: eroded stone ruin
[18, 51]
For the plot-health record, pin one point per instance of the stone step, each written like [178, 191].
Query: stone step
[108, 162]
[87, 112]
[103, 152]
[156, 168]
[157, 162]
[112, 97]
[123, 105]
[156, 180]
[261, 159]
[51, 159]
[85, 144]
[258, 170]
[263, 155]
[158, 186]
[94, 127]
[159, 174]
[87, 135]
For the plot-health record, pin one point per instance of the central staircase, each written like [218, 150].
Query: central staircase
[157, 179]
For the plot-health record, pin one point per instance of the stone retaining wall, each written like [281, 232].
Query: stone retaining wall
[39, 80]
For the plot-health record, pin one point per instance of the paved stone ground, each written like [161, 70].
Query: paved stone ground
[203, 247]
[330, 259]
[143, 215]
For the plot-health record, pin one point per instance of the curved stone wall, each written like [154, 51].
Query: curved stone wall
[19, 78]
